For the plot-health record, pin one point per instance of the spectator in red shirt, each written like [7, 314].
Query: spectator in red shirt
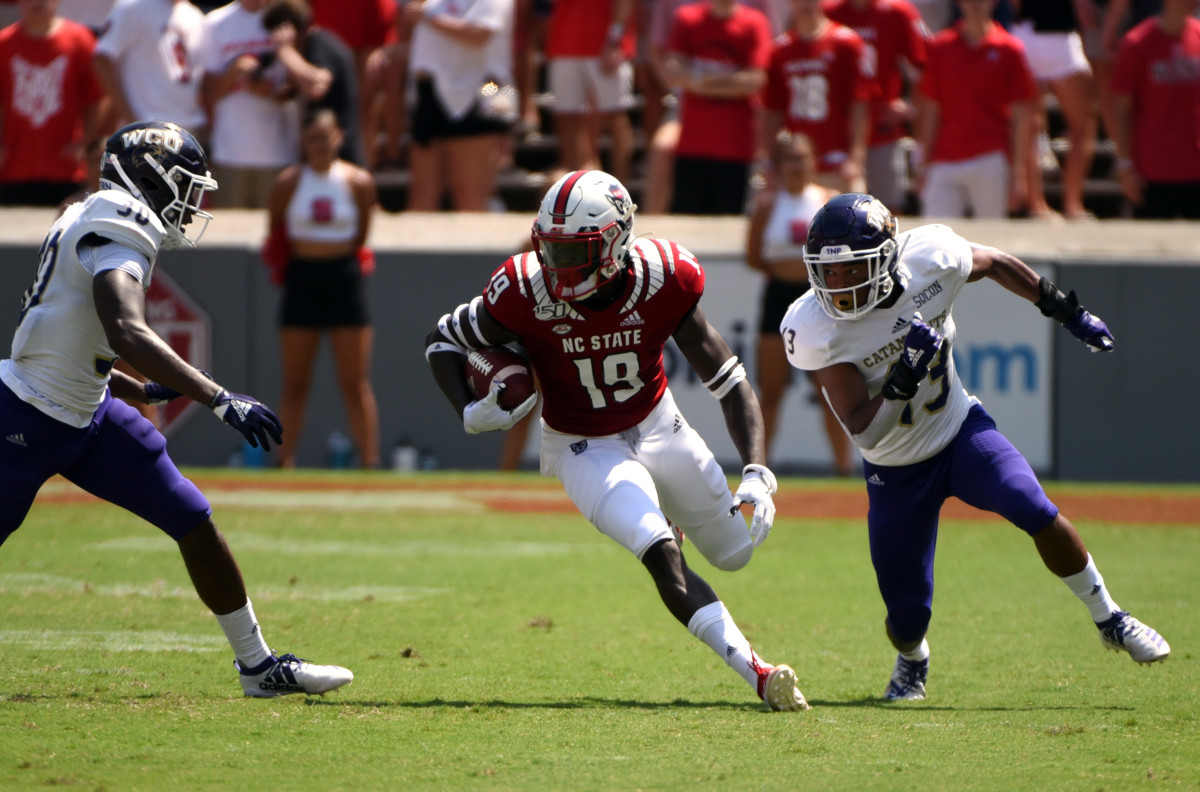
[894, 40]
[1156, 84]
[589, 45]
[976, 95]
[819, 82]
[717, 57]
[50, 104]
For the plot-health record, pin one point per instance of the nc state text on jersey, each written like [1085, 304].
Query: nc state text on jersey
[621, 338]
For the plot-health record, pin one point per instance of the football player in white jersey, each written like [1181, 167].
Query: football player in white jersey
[58, 414]
[877, 329]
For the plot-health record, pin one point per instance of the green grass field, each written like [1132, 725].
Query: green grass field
[502, 650]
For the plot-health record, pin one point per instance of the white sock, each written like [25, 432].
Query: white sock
[1089, 586]
[241, 629]
[713, 625]
[918, 654]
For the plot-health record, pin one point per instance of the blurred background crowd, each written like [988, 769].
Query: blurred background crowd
[321, 111]
[1056, 109]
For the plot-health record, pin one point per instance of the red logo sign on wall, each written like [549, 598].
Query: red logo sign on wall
[186, 328]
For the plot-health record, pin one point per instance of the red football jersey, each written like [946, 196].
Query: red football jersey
[891, 31]
[813, 83]
[601, 372]
[712, 128]
[975, 86]
[1162, 74]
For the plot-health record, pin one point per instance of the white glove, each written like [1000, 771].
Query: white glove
[486, 414]
[757, 487]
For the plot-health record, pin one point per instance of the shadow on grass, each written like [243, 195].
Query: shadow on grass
[587, 702]
[909, 706]
[596, 702]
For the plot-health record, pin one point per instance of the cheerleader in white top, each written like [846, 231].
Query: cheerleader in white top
[775, 246]
[320, 215]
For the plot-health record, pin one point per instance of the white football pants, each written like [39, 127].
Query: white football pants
[624, 484]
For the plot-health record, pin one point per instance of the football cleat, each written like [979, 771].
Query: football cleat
[908, 680]
[279, 676]
[1123, 633]
[777, 687]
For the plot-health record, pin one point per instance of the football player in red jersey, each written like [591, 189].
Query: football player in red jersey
[593, 308]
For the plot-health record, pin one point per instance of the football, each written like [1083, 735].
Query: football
[500, 364]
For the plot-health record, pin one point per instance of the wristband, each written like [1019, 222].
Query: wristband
[767, 476]
[1055, 305]
[212, 405]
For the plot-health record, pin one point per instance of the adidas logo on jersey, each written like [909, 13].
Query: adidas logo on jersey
[874, 479]
[901, 323]
[17, 439]
[633, 320]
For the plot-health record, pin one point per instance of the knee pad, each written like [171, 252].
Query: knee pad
[908, 622]
[723, 541]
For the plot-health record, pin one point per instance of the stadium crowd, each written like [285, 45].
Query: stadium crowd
[680, 100]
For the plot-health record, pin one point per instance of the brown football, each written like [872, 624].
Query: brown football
[503, 365]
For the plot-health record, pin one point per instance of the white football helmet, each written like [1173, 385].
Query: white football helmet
[582, 233]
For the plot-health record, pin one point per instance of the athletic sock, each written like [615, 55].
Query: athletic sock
[713, 625]
[1089, 586]
[241, 629]
[918, 654]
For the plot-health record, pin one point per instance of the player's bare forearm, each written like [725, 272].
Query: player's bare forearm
[120, 305]
[126, 387]
[1005, 269]
[743, 419]
[447, 370]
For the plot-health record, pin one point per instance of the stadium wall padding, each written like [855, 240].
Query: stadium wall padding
[1119, 417]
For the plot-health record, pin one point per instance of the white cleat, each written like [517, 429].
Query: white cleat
[908, 680]
[279, 676]
[1123, 633]
[777, 687]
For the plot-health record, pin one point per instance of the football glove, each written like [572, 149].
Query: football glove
[1092, 331]
[1065, 308]
[921, 346]
[161, 394]
[757, 487]
[486, 414]
[255, 420]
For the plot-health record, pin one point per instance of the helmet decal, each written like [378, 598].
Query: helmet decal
[582, 233]
[857, 231]
[162, 165]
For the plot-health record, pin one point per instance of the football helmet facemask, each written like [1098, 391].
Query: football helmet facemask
[852, 228]
[162, 165]
[582, 233]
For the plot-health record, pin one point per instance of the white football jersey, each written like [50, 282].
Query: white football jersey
[933, 265]
[61, 359]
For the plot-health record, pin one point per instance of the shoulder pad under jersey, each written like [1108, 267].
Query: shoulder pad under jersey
[115, 215]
